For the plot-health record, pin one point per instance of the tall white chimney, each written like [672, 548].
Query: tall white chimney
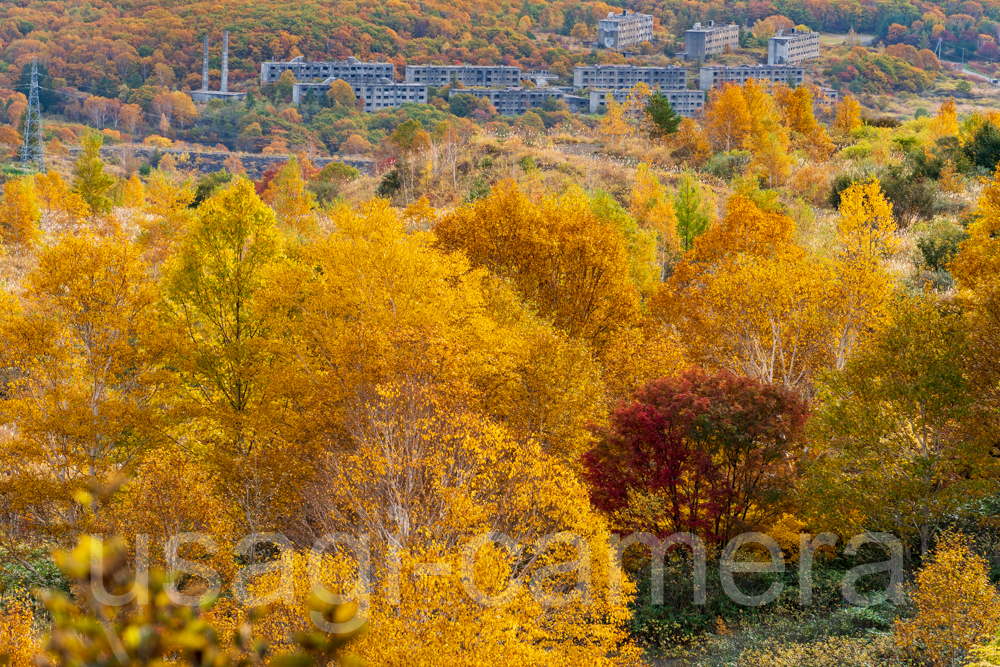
[204, 66]
[225, 61]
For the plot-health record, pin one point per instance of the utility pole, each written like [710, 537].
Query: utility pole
[33, 150]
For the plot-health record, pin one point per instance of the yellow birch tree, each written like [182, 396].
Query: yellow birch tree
[848, 116]
[861, 288]
[293, 205]
[90, 394]
[19, 213]
[615, 125]
[652, 207]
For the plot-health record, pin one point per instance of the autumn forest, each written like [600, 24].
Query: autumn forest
[291, 381]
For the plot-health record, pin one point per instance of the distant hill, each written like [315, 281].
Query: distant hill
[104, 45]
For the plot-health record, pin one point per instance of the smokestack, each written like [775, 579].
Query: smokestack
[204, 66]
[225, 61]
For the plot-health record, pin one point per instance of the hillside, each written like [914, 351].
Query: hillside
[102, 45]
[674, 363]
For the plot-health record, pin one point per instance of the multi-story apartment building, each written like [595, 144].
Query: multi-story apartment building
[376, 94]
[705, 40]
[351, 70]
[686, 103]
[618, 31]
[711, 77]
[512, 101]
[389, 94]
[792, 46]
[614, 77]
[484, 76]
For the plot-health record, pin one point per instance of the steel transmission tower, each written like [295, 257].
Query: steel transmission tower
[33, 150]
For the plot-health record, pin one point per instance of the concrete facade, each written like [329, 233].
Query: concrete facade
[707, 39]
[618, 31]
[377, 94]
[484, 76]
[613, 77]
[351, 70]
[686, 103]
[792, 46]
[515, 101]
[712, 77]
[388, 94]
[301, 88]
[512, 101]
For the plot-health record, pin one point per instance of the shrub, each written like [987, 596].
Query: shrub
[857, 151]
[883, 121]
[907, 144]
[987, 655]
[728, 165]
[337, 172]
[324, 192]
[912, 198]
[326, 185]
[840, 183]
[208, 184]
[158, 141]
[938, 249]
[931, 160]
[937, 281]
[983, 150]
[34, 568]
[390, 184]
[678, 619]
[154, 159]
[480, 189]
[827, 652]
[19, 642]
[957, 606]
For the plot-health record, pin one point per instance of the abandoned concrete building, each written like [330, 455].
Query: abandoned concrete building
[618, 31]
[484, 76]
[610, 77]
[707, 39]
[351, 70]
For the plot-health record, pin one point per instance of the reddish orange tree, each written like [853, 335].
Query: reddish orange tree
[701, 453]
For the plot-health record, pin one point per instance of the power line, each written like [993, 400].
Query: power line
[33, 150]
[81, 96]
